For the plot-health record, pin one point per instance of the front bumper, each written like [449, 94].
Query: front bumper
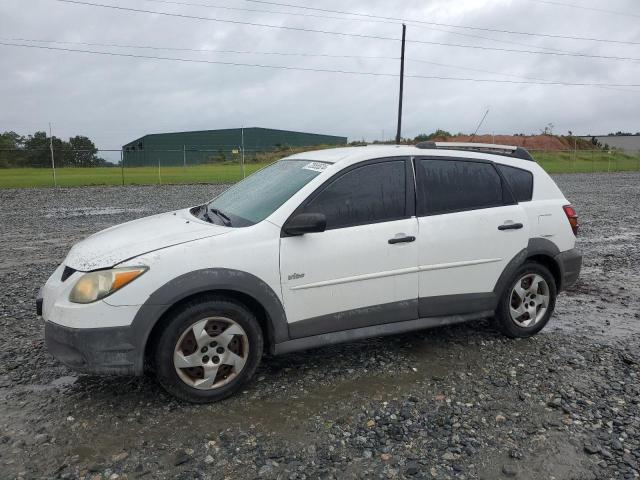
[91, 338]
[105, 351]
[570, 263]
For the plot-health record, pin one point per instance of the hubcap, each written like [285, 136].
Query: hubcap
[211, 353]
[529, 300]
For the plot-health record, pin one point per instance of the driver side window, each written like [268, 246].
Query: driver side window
[369, 194]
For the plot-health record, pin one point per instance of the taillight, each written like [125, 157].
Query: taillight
[572, 216]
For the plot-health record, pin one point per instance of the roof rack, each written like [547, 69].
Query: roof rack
[505, 150]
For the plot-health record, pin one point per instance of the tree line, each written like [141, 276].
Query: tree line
[35, 151]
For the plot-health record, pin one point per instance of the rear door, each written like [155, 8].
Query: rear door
[362, 270]
[470, 227]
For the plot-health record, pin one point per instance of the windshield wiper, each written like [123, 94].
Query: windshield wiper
[204, 211]
[225, 220]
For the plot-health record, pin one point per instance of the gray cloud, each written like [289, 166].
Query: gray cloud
[114, 100]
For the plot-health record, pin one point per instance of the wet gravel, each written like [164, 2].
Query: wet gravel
[457, 402]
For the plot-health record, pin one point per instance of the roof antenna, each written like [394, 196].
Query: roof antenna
[480, 124]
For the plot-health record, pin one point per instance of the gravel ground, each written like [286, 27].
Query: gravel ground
[457, 402]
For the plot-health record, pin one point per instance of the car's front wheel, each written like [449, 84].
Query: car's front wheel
[209, 350]
[528, 301]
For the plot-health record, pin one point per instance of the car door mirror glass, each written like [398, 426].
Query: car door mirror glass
[305, 223]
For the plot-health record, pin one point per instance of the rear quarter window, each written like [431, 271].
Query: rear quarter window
[520, 181]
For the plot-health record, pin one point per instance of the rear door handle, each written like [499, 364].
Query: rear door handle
[393, 241]
[511, 226]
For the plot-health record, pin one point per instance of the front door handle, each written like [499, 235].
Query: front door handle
[393, 241]
[510, 226]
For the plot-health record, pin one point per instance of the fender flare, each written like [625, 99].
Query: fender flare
[207, 280]
[536, 246]
[542, 246]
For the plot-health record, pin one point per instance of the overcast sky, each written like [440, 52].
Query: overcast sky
[114, 100]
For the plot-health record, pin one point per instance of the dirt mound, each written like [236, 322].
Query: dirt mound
[534, 142]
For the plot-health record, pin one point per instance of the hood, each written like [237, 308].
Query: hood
[128, 240]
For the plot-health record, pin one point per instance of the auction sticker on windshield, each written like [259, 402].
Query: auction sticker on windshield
[316, 166]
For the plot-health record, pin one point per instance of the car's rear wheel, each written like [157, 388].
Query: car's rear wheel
[209, 350]
[528, 301]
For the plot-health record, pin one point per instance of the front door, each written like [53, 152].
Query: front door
[362, 270]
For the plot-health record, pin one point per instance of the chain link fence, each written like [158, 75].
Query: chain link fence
[55, 167]
[51, 167]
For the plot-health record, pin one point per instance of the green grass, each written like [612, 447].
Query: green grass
[74, 177]
[586, 161]
[552, 162]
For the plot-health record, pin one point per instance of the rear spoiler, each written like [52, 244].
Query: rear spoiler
[505, 150]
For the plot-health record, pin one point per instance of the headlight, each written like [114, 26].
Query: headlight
[93, 286]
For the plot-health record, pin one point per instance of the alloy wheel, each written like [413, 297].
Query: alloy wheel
[211, 353]
[529, 300]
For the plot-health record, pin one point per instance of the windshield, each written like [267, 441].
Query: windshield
[258, 196]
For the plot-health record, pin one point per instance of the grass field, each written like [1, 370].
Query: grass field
[587, 161]
[552, 162]
[75, 177]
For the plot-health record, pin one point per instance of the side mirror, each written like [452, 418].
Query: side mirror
[305, 223]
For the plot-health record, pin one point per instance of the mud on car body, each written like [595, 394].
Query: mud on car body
[315, 249]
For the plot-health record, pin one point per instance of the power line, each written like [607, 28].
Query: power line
[190, 60]
[491, 39]
[368, 20]
[240, 9]
[528, 52]
[471, 69]
[203, 50]
[321, 70]
[344, 34]
[286, 54]
[395, 22]
[485, 29]
[582, 7]
[490, 72]
[235, 22]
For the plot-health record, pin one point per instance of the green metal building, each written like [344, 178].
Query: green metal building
[210, 146]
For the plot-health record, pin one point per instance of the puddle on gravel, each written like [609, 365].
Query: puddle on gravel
[287, 417]
[625, 236]
[549, 457]
[135, 418]
[91, 211]
[292, 417]
[604, 312]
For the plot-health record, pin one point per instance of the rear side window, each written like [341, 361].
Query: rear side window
[369, 194]
[446, 186]
[520, 181]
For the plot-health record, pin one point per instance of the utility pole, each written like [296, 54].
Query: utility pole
[399, 133]
[122, 164]
[184, 156]
[53, 162]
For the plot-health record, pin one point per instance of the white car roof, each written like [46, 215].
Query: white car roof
[346, 156]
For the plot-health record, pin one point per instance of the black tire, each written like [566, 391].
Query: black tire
[503, 314]
[182, 319]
